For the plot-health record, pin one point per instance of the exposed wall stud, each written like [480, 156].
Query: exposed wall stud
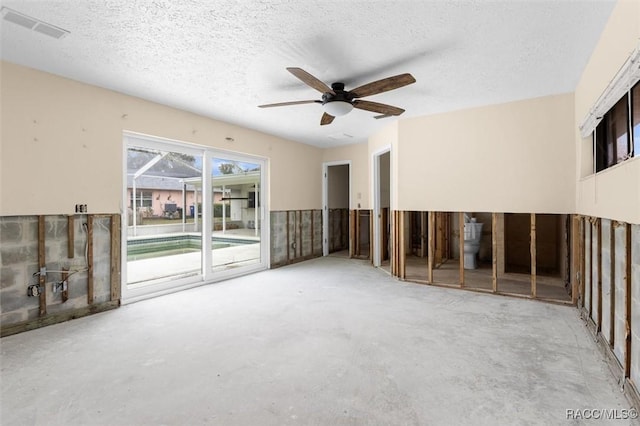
[599, 274]
[612, 285]
[494, 252]
[42, 309]
[461, 247]
[431, 246]
[628, 319]
[534, 286]
[90, 295]
[115, 257]
[70, 236]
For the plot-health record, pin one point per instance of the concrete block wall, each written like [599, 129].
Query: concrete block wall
[620, 274]
[587, 264]
[338, 229]
[19, 261]
[295, 235]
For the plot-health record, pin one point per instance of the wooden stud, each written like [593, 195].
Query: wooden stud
[494, 252]
[313, 252]
[612, 286]
[534, 288]
[424, 224]
[403, 246]
[371, 235]
[461, 247]
[42, 278]
[591, 268]
[575, 257]
[65, 292]
[583, 254]
[299, 213]
[431, 246]
[627, 351]
[70, 237]
[115, 257]
[599, 274]
[288, 239]
[90, 295]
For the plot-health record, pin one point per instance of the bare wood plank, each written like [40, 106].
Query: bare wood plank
[612, 285]
[431, 246]
[575, 264]
[288, 238]
[534, 287]
[313, 251]
[42, 278]
[461, 247]
[424, 224]
[65, 292]
[599, 274]
[494, 252]
[583, 253]
[299, 215]
[403, 246]
[371, 235]
[627, 352]
[115, 271]
[57, 317]
[90, 295]
[70, 236]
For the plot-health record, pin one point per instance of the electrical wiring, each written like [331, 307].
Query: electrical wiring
[71, 272]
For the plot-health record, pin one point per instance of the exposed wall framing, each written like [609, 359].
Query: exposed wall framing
[296, 235]
[59, 262]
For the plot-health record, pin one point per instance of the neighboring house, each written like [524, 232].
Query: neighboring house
[166, 184]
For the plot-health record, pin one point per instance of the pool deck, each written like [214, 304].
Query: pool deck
[155, 268]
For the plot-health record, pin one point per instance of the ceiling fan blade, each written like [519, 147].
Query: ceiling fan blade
[326, 119]
[310, 80]
[288, 103]
[383, 109]
[383, 85]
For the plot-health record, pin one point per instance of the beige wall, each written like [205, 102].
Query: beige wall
[387, 137]
[514, 157]
[613, 193]
[62, 145]
[357, 154]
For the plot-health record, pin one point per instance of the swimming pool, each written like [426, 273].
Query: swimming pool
[149, 247]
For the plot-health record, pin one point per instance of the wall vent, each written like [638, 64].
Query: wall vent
[31, 23]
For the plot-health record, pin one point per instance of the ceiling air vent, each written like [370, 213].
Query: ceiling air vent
[32, 23]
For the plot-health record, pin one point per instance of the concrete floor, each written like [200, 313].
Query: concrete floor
[330, 341]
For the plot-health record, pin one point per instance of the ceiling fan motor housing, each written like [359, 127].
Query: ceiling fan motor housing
[340, 94]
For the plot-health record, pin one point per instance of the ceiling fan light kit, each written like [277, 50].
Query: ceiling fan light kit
[338, 108]
[337, 102]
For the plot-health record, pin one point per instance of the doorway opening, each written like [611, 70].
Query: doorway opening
[382, 210]
[336, 205]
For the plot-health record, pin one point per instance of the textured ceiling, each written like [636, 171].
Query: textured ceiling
[223, 58]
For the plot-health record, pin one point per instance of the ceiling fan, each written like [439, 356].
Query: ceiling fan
[337, 101]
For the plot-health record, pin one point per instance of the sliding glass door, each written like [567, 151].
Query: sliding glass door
[192, 215]
[237, 214]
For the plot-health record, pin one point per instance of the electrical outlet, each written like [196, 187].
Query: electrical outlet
[81, 208]
[59, 287]
[34, 290]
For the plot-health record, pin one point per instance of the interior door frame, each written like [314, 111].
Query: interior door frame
[325, 202]
[376, 196]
